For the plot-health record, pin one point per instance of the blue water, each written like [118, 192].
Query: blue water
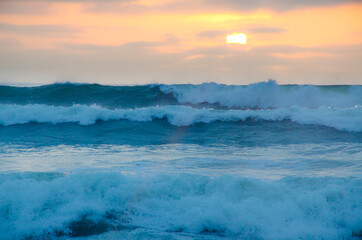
[209, 161]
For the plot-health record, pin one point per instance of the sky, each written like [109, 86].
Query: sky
[128, 42]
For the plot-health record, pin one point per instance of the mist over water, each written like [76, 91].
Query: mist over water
[209, 161]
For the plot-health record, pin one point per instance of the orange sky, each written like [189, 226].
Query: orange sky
[179, 41]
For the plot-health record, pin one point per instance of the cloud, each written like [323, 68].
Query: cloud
[24, 7]
[266, 30]
[278, 5]
[212, 34]
[39, 7]
[175, 6]
[202, 6]
[256, 30]
[39, 30]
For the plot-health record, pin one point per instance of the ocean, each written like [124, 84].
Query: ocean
[210, 161]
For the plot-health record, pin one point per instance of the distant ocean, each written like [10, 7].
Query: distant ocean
[209, 161]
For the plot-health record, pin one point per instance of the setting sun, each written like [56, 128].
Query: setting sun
[239, 38]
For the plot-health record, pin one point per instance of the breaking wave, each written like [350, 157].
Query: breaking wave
[349, 119]
[267, 95]
[259, 95]
[47, 205]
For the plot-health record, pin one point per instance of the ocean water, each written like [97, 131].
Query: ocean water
[209, 161]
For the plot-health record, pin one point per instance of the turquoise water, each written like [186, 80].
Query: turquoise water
[206, 161]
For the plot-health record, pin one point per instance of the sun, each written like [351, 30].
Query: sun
[239, 38]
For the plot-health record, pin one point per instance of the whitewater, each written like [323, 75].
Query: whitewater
[207, 161]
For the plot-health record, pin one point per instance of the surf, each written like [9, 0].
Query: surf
[347, 119]
[226, 206]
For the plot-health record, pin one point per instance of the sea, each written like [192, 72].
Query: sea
[180, 162]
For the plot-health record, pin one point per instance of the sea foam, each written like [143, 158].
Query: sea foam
[349, 119]
[266, 95]
[41, 205]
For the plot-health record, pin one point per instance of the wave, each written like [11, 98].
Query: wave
[69, 94]
[47, 205]
[266, 95]
[259, 95]
[349, 119]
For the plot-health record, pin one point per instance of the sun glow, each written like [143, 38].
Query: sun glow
[239, 38]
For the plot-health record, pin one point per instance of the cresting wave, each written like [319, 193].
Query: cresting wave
[349, 119]
[266, 95]
[50, 205]
[259, 95]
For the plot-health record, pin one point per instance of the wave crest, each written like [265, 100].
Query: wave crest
[349, 119]
[266, 95]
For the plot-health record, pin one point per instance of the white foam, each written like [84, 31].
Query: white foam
[266, 95]
[349, 119]
[291, 208]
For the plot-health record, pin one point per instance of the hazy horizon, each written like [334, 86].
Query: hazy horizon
[24, 84]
